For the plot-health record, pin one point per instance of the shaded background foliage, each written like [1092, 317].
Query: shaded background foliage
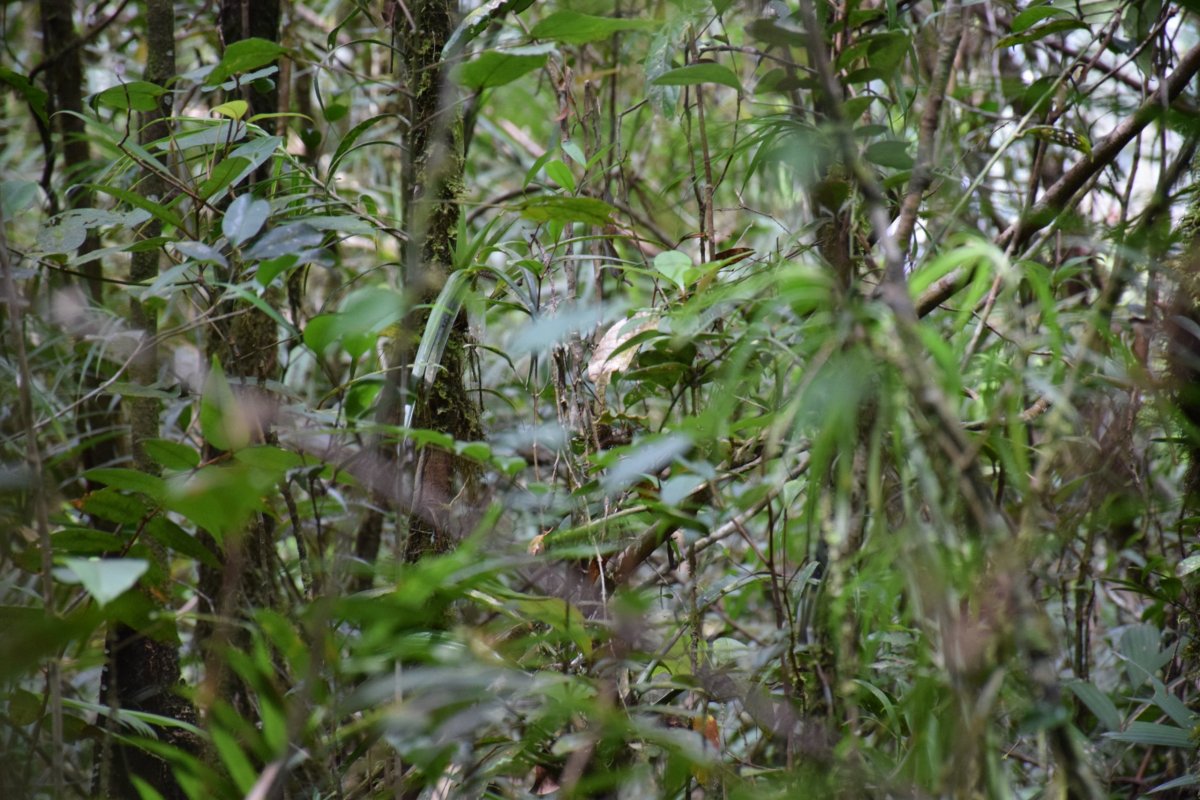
[599, 399]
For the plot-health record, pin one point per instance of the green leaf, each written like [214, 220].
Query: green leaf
[320, 332]
[129, 480]
[17, 197]
[157, 209]
[1098, 703]
[676, 267]
[234, 109]
[770, 31]
[270, 459]
[694, 74]
[221, 421]
[244, 218]
[1031, 16]
[135, 96]
[1177, 783]
[575, 152]
[104, 579]
[34, 95]
[65, 235]
[209, 134]
[271, 268]
[1153, 733]
[172, 455]
[24, 707]
[560, 173]
[243, 56]
[587, 210]
[198, 251]
[284, 240]
[1188, 565]
[352, 136]
[111, 505]
[1041, 32]
[219, 498]
[167, 533]
[499, 67]
[891, 153]
[572, 27]
[1140, 646]
[85, 541]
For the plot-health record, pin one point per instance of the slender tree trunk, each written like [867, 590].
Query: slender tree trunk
[142, 670]
[432, 177]
[245, 341]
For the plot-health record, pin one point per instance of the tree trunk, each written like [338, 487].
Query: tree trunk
[245, 341]
[142, 667]
[432, 179]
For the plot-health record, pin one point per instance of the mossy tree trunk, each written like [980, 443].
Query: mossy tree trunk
[432, 179]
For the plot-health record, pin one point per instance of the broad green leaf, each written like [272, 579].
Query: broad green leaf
[16, 197]
[129, 480]
[1031, 16]
[66, 236]
[284, 240]
[34, 95]
[772, 32]
[891, 153]
[167, 533]
[321, 332]
[270, 459]
[499, 67]
[85, 542]
[676, 267]
[1098, 703]
[212, 134]
[1188, 565]
[694, 74]
[24, 707]
[587, 210]
[1041, 32]
[219, 497]
[234, 109]
[243, 56]
[575, 152]
[135, 96]
[111, 505]
[1140, 646]
[560, 173]
[363, 315]
[172, 455]
[198, 251]
[271, 268]
[244, 218]
[572, 27]
[150, 204]
[104, 579]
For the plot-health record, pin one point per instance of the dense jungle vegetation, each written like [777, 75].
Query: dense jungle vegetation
[599, 398]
